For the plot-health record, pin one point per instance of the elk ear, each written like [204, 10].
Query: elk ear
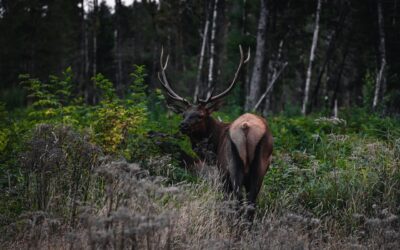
[213, 106]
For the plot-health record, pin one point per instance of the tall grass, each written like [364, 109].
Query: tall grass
[139, 211]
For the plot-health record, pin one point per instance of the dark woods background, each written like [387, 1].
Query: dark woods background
[43, 37]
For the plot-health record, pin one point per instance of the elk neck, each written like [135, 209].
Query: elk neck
[215, 132]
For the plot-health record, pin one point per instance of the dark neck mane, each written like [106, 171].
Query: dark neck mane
[213, 136]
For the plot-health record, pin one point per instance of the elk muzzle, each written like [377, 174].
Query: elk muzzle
[184, 127]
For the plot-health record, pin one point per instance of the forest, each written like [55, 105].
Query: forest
[91, 151]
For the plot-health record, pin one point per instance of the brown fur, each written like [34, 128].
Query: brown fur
[243, 148]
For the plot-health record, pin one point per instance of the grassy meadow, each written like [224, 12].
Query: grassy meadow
[110, 176]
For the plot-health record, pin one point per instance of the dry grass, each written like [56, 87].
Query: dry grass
[139, 211]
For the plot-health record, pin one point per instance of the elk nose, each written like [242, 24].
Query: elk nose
[184, 127]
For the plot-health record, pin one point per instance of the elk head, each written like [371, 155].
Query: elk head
[195, 115]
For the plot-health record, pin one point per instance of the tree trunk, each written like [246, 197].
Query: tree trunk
[381, 76]
[256, 76]
[338, 78]
[211, 70]
[328, 56]
[312, 55]
[335, 109]
[332, 45]
[94, 46]
[87, 59]
[95, 23]
[275, 64]
[118, 72]
[244, 76]
[83, 54]
[244, 18]
[201, 59]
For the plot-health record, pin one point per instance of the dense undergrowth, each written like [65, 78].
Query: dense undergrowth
[111, 175]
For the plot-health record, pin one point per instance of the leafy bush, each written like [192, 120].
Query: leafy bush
[114, 119]
[51, 101]
[115, 122]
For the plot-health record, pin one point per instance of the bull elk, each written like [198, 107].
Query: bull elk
[243, 148]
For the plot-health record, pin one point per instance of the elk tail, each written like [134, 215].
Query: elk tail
[245, 128]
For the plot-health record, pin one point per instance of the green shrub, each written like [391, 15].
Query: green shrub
[114, 119]
[334, 170]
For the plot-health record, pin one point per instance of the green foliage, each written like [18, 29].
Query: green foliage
[107, 90]
[137, 88]
[369, 124]
[62, 86]
[44, 101]
[4, 137]
[112, 121]
[334, 168]
[50, 99]
[116, 120]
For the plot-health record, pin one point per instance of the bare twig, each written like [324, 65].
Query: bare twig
[270, 85]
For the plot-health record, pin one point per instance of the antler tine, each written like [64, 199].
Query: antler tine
[164, 67]
[242, 61]
[164, 81]
[196, 99]
[248, 56]
[210, 92]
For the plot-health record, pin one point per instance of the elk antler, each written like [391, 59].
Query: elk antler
[210, 96]
[164, 82]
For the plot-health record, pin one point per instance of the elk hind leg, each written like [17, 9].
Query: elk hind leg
[252, 189]
[254, 179]
[236, 173]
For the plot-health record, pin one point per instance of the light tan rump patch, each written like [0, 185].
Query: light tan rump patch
[245, 132]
